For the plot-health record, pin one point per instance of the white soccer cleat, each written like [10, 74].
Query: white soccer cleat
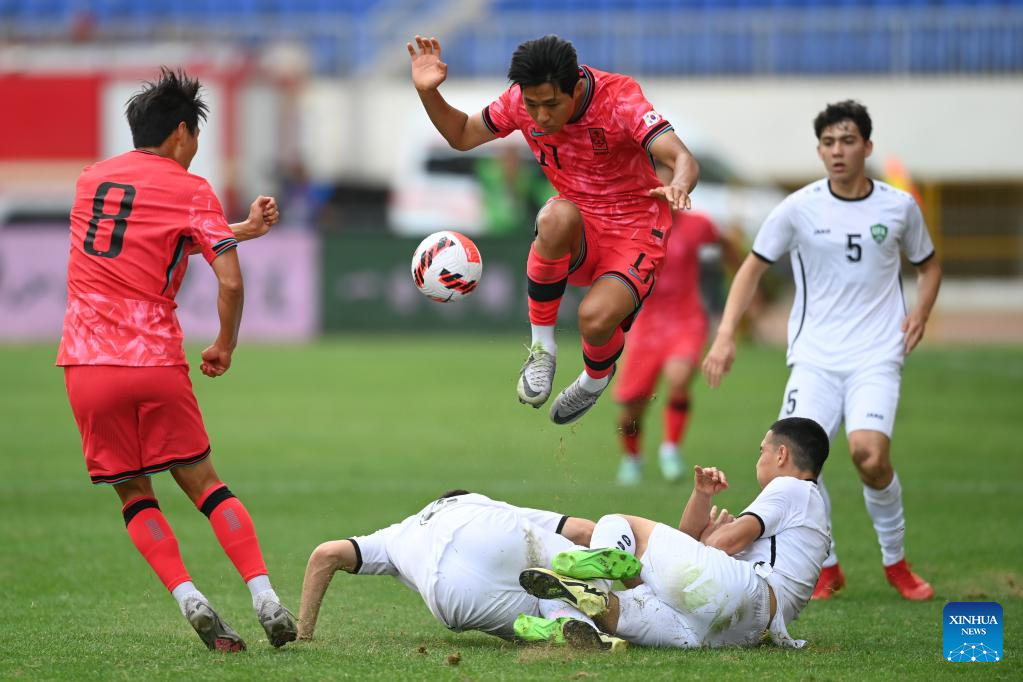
[575, 401]
[672, 464]
[214, 632]
[537, 376]
[277, 622]
[630, 471]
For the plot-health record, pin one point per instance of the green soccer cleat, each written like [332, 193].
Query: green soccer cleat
[581, 594]
[606, 562]
[536, 629]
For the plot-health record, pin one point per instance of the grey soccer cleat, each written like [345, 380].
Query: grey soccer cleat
[278, 622]
[214, 632]
[581, 594]
[537, 376]
[581, 635]
[575, 401]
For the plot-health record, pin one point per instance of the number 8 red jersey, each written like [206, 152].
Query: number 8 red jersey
[134, 221]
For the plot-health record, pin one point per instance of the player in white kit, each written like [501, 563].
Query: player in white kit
[463, 554]
[717, 580]
[849, 330]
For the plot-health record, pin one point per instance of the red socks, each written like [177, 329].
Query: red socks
[547, 281]
[676, 418]
[630, 440]
[234, 529]
[600, 360]
[155, 540]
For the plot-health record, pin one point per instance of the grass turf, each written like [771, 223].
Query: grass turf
[351, 434]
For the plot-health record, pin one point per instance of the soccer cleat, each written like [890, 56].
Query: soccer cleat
[581, 594]
[278, 623]
[575, 401]
[909, 584]
[830, 581]
[214, 632]
[536, 629]
[672, 466]
[606, 562]
[537, 376]
[630, 471]
[581, 635]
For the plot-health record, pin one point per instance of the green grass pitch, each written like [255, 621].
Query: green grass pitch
[351, 434]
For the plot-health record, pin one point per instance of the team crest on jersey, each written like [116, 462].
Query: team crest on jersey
[651, 117]
[878, 232]
[598, 140]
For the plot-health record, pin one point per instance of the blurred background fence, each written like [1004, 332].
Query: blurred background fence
[311, 101]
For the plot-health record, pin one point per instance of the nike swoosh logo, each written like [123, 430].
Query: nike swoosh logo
[527, 389]
[538, 133]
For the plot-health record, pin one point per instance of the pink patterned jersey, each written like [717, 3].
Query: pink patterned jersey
[600, 160]
[134, 221]
[677, 292]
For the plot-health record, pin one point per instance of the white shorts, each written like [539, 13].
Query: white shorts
[693, 596]
[465, 560]
[865, 399]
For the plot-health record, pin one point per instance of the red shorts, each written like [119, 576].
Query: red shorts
[634, 259]
[652, 342]
[135, 421]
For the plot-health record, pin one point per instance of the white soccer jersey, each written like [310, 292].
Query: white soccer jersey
[463, 555]
[794, 541]
[849, 306]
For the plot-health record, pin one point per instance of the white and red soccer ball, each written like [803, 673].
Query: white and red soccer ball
[446, 266]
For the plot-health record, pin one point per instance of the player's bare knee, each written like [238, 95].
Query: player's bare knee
[873, 465]
[596, 323]
[556, 226]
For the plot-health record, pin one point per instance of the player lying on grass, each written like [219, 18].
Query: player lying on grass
[463, 553]
[595, 136]
[717, 580]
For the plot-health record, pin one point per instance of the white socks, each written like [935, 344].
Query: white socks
[591, 385]
[613, 531]
[832, 558]
[261, 591]
[885, 508]
[184, 591]
[544, 335]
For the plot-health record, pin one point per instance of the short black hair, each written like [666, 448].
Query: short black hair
[848, 110]
[807, 441]
[156, 110]
[545, 60]
[453, 493]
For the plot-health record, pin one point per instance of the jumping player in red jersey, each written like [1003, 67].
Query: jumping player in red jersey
[136, 218]
[667, 337]
[594, 134]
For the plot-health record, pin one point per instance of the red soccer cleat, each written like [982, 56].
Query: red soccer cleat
[832, 580]
[909, 584]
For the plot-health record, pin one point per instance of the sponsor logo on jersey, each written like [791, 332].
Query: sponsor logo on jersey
[972, 632]
[651, 117]
[822, 230]
[878, 232]
[598, 140]
[875, 415]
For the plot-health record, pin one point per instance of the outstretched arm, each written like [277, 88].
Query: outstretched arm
[719, 358]
[462, 132]
[324, 562]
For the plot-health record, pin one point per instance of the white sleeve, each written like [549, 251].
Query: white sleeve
[916, 241]
[780, 505]
[548, 520]
[776, 235]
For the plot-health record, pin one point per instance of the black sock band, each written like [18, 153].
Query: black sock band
[214, 499]
[138, 505]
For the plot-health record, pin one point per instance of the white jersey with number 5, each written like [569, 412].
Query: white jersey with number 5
[849, 307]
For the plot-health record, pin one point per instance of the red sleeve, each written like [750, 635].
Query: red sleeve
[499, 115]
[207, 223]
[637, 116]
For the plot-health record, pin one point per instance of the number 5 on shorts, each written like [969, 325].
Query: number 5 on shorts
[790, 401]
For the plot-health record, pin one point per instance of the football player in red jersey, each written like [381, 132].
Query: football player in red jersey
[136, 217]
[594, 134]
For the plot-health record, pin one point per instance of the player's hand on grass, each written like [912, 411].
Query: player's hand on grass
[215, 361]
[709, 480]
[912, 331]
[676, 197]
[428, 71]
[719, 360]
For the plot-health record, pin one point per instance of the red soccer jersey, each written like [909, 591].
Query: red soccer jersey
[677, 292]
[600, 160]
[135, 218]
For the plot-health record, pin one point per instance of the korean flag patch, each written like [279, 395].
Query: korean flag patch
[650, 118]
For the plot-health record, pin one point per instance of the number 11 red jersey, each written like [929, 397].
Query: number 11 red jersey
[134, 221]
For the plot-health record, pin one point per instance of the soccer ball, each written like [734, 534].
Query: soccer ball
[446, 266]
